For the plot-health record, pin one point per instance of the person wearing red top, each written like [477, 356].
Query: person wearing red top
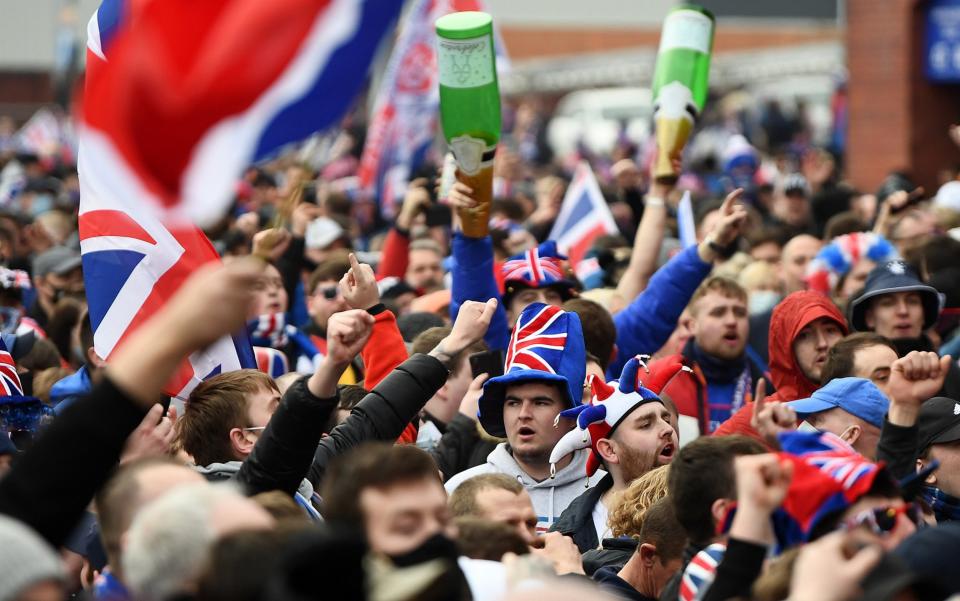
[803, 328]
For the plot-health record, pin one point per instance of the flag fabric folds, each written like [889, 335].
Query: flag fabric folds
[584, 216]
[174, 109]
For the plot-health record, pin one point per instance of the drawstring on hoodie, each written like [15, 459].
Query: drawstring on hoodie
[553, 489]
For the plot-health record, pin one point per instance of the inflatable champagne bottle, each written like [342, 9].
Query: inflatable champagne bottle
[470, 107]
[680, 81]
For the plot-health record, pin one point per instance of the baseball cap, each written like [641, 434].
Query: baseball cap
[58, 260]
[322, 232]
[938, 422]
[856, 396]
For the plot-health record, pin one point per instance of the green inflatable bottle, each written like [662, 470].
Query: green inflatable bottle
[470, 107]
[680, 81]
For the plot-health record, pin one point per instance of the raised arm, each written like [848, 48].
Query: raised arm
[649, 238]
[385, 349]
[52, 483]
[282, 456]
[388, 408]
[646, 324]
[473, 277]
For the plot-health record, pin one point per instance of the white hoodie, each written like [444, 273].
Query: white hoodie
[551, 496]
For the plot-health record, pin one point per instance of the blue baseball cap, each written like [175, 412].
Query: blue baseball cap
[856, 396]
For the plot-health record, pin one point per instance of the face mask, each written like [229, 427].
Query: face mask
[437, 546]
[762, 301]
[41, 204]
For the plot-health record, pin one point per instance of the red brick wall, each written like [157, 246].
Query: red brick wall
[898, 120]
[523, 43]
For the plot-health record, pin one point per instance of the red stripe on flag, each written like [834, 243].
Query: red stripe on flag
[112, 223]
[578, 250]
[161, 73]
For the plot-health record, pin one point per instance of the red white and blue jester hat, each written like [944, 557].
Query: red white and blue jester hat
[546, 346]
[540, 267]
[610, 403]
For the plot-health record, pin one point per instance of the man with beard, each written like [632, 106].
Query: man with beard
[543, 375]
[895, 303]
[630, 431]
[723, 373]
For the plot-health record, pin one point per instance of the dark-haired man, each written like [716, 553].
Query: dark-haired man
[658, 557]
[702, 487]
[897, 304]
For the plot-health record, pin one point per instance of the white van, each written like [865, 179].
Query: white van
[596, 117]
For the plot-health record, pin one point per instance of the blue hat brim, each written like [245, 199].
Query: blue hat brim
[495, 391]
[811, 405]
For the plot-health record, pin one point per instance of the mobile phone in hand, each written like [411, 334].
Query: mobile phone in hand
[487, 362]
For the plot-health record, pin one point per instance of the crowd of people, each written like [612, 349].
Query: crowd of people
[769, 412]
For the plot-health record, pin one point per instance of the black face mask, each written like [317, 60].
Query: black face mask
[437, 546]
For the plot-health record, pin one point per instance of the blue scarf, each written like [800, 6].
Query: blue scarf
[946, 507]
[716, 369]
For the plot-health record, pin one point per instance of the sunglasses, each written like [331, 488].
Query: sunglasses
[330, 292]
[883, 520]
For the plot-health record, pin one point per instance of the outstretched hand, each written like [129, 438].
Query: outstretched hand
[212, 303]
[771, 419]
[359, 285]
[471, 324]
[733, 218]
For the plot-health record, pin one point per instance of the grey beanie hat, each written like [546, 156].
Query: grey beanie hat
[25, 559]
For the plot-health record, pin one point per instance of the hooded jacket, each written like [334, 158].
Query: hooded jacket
[794, 313]
[551, 496]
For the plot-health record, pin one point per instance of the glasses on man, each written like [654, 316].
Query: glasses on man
[255, 429]
[329, 293]
[883, 520]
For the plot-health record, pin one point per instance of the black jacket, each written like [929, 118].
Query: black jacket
[50, 485]
[284, 452]
[671, 590]
[576, 521]
[613, 553]
[610, 582]
[384, 412]
[461, 447]
[898, 449]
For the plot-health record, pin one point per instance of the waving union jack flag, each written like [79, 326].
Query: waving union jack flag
[174, 109]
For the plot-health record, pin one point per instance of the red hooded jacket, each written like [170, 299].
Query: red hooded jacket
[789, 317]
